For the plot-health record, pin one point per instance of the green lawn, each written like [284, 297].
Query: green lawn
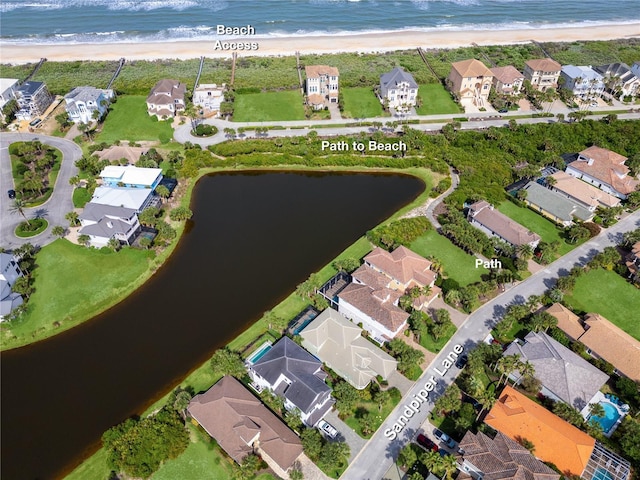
[360, 102]
[436, 100]
[371, 406]
[428, 342]
[457, 264]
[268, 106]
[535, 222]
[129, 120]
[80, 197]
[62, 277]
[604, 292]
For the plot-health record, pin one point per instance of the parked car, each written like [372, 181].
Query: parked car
[461, 361]
[427, 443]
[11, 193]
[35, 123]
[503, 110]
[444, 438]
[327, 428]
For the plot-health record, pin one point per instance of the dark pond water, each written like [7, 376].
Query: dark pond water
[255, 236]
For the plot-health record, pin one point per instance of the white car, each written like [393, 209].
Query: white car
[327, 428]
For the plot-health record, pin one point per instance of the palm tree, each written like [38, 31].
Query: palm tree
[18, 206]
[163, 192]
[506, 365]
[84, 239]
[58, 231]
[449, 466]
[486, 401]
[432, 460]
[72, 217]
[526, 369]
[596, 410]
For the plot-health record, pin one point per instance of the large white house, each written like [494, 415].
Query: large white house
[209, 96]
[9, 273]
[166, 98]
[620, 81]
[82, 102]
[8, 87]
[105, 222]
[398, 89]
[131, 176]
[135, 198]
[583, 81]
[33, 99]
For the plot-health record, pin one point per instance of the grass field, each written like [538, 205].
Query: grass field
[436, 100]
[457, 264]
[80, 197]
[547, 230]
[605, 292]
[129, 120]
[428, 342]
[268, 106]
[62, 277]
[360, 102]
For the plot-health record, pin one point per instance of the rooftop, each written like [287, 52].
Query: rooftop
[606, 166]
[403, 265]
[583, 191]
[131, 175]
[514, 233]
[85, 94]
[314, 71]
[558, 205]
[395, 77]
[544, 65]
[506, 75]
[584, 72]
[133, 198]
[471, 68]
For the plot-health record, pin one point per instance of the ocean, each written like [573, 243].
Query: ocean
[95, 21]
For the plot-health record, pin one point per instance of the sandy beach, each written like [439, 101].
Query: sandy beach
[271, 46]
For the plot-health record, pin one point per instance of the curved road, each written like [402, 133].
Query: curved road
[54, 209]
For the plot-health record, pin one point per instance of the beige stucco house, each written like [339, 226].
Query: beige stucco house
[321, 85]
[543, 73]
[507, 80]
[470, 81]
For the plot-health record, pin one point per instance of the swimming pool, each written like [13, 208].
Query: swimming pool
[601, 474]
[258, 354]
[611, 416]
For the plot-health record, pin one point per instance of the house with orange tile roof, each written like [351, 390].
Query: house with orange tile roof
[507, 80]
[542, 73]
[568, 321]
[470, 81]
[321, 85]
[604, 169]
[555, 440]
[584, 193]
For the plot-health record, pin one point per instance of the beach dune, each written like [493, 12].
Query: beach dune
[271, 46]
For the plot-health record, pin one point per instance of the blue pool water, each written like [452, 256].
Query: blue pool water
[258, 354]
[601, 474]
[611, 416]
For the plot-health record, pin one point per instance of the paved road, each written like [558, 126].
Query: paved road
[376, 457]
[58, 205]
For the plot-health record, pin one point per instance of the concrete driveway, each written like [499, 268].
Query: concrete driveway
[346, 433]
[54, 209]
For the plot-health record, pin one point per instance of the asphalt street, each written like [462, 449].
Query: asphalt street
[54, 209]
[379, 453]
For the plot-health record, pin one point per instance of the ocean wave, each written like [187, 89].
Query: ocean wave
[207, 32]
[129, 5]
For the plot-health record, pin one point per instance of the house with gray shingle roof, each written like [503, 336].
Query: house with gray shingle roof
[552, 205]
[9, 273]
[166, 98]
[104, 222]
[399, 89]
[619, 79]
[294, 374]
[500, 458]
[82, 102]
[565, 376]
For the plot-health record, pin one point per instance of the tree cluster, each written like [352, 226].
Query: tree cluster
[400, 232]
[327, 455]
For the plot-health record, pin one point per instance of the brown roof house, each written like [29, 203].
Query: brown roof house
[321, 85]
[582, 192]
[295, 375]
[633, 262]
[568, 321]
[339, 343]
[166, 98]
[372, 298]
[241, 425]
[485, 217]
[470, 81]
[604, 169]
[500, 458]
[543, 73]
[507, 80]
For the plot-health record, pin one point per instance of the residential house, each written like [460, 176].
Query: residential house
[633, 263]
[507, 80]
[557, 207]
[635, 69]
[242, 425]
[372, 297]
[166, 98]
[105, 222]
[209, 96]
[581, 192]
[121, 154]
[470, 81]
[9, 273]
[542, 73]
[604, 169]
[620, 81]
[83, 102]
[8, 87]
[338, 343]
[398, 89]
[583, 81]
[554, 440]
[134, 198]
[485, 217]
[565, 376]
[602, 339]
[33, 99]
[500, 458]
[131, 176]
[294, 374]
[321, 85]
